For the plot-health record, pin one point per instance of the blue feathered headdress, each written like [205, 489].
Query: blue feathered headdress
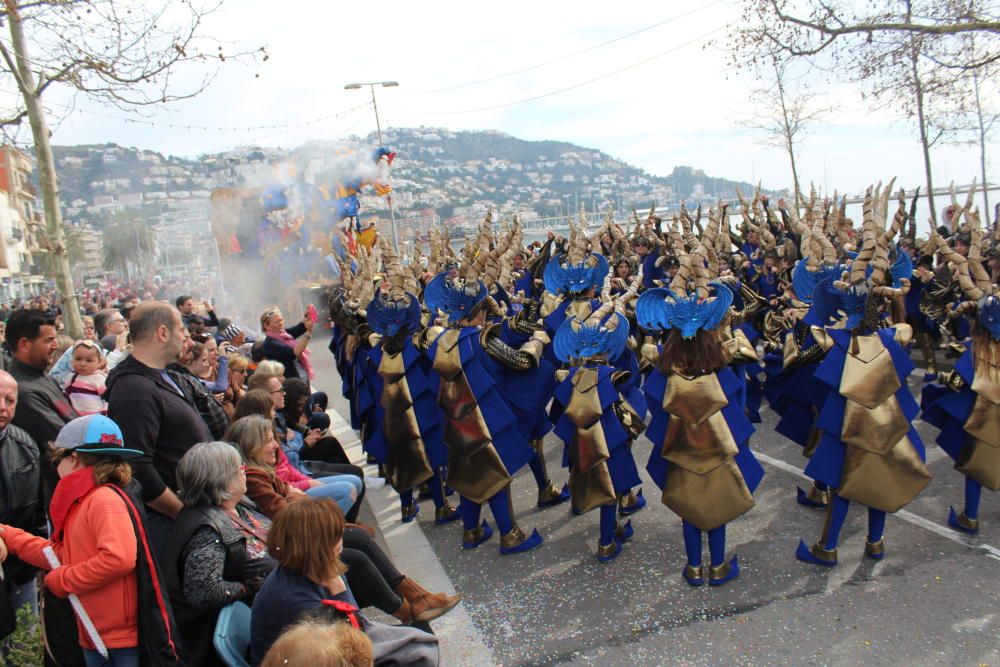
[452, 296]
[562, 276]
[388, 317]
[595, 336]
[804, 281]
[660, 309]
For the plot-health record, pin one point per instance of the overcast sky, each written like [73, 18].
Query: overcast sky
[679, 108]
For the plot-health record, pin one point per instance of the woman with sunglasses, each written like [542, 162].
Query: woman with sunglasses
[289, 346]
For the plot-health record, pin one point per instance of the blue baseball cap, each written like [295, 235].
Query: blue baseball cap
[95, 434]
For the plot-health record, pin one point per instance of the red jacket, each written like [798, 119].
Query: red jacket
[95, 542]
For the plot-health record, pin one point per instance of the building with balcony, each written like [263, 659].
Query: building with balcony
[20, 224]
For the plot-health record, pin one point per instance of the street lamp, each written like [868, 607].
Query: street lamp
[378, 126]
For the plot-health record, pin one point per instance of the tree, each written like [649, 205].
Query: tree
[784, 123]
[125, 53]
[908, 55]
[127, 239]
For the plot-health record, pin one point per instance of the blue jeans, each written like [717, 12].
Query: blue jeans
[26, 593]
[117, 657]
[340, 488]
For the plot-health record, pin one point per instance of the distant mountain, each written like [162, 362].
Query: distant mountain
[437, 171]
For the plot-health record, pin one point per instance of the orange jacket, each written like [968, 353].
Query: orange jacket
[98, 556]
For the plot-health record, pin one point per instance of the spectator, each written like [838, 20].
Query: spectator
[306, 540]
[254, 437]
[185, 304]
[42, 408]
[154, 413]
[22, 506]
[321, 644]
[208, 405]
[307, 428]
[238, 369]
[259, 402]
[289, 346]
[94, 536]
[109, 324]
[86, 385]
[218, 548]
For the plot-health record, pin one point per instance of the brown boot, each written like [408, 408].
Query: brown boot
[405, 612]
[424, 605]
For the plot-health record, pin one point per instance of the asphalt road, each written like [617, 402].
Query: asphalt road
[930, 602]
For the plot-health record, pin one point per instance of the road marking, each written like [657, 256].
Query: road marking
[910, 517]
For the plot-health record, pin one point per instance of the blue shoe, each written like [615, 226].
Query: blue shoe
[930, 377]
[814, 497]
[694, 575]
[817, 555]
[552, 495]
[515, 542]
[717, 576]
[448, 491]
[574, 511]
[608, 552]
[473, 538]
[962, 523]
[624, 532]
[410, 512]
[632, 503]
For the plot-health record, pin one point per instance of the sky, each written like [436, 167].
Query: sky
[663, 97]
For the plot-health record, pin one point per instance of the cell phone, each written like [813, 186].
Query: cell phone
[312, 314]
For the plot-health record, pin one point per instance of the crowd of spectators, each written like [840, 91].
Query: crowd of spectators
[177, 462]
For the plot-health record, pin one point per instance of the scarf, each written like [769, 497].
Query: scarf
[285, 338]
[70, 490]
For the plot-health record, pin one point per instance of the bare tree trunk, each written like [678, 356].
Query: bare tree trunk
[789, 132]
[46, 175]
[982, 150]
[918, 91]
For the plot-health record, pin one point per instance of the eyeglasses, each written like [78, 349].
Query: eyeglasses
[279, 391]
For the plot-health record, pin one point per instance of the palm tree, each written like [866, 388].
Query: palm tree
[127, 239]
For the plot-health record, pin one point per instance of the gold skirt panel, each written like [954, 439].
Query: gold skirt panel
[707, 501]
[886, 482]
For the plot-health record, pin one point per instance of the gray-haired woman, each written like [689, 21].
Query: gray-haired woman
[218, 549]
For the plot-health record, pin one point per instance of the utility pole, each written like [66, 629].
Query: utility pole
[378, 127]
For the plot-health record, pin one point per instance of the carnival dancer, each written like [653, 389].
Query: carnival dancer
[966, 405]
[868, 451]
[571, 283]
[482, 387]
[701, 457]
[407, 436]
[595, 412]
[790, 389]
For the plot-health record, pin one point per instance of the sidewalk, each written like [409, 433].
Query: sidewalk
[461, 642]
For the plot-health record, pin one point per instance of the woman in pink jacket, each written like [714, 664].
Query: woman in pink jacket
[92, 535]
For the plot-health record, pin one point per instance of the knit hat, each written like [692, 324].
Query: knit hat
[94, 434]
[231, 332]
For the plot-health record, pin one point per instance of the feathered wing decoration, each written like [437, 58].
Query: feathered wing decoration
[580, 340]
[453, 297]
[804, 281]
[561, 276]
[659, 309]
[389, 316]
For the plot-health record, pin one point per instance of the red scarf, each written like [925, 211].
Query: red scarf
[347, 609]
[70, 490]
[286, 338]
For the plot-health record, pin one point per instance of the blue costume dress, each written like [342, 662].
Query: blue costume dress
[408, 436]
[485, 406]
[966, 407]
[868, 451]
[701, 459]
[597, 419]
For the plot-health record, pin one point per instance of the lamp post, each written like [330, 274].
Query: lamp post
[378, 126]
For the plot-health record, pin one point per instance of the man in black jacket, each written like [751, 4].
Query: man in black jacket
[154, 413]
[20, 493]
[42, 408]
